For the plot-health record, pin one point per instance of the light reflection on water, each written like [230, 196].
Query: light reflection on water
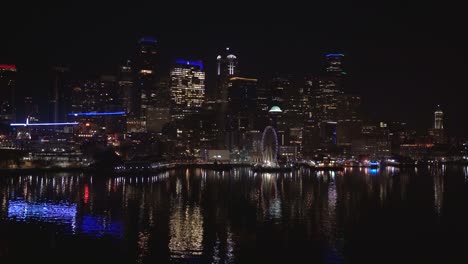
[222, 217]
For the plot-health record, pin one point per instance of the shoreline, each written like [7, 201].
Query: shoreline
[208, 166]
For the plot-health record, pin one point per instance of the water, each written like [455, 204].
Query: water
[356, 216]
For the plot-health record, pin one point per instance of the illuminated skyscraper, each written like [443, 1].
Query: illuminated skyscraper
[187, 97]
[227, 64]
[335, 63]
[325, 100]
[438, 118]
[226, 68]
[7, 95]
[437, 132]
[187, 88]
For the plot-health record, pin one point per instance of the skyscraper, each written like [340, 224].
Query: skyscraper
[126, 87]
[437, 133]
[325, 99]
[60, 94]
[187, 88]
[31, 109]
[335, 63]
[438, 118]
[226, 67]
[145, 76]
[349, 120]
[279, 90]
[158, 113]
[187, 98]
[7, 95]
[241, 114]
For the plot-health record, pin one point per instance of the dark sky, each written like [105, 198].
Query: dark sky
[403, 59]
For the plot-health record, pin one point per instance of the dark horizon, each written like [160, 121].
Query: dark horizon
[400, 60]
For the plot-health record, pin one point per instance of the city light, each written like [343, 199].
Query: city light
[335, 55]
[97, 113]
[7, 67]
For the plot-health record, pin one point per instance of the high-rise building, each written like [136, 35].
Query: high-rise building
[349, 121]
[91, 96]
[310, 137]
[279, 89]
[226, 68]
[276, 118]
[437, 132]
[326, 97]
[438, 118]
[97, 103]
[335, 63]
[208, 129]
[7, 96]
[375, 141]
[187, 88]
[60, 95]
[31, 109]
[326, 100]
[227, 63]
[241, 114]
[263, 102]
[145, 76]
[110, 96]
[126, 87]
[158, 113]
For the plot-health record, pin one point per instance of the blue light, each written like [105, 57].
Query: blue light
[97, 113]
[97, 226]
[148, 40]
[373, 171]
[47, 212]
[191, 63]
[335, 55]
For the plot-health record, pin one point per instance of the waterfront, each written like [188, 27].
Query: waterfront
[194, 215]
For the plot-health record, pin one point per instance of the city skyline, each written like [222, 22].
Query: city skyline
[390, 56]
[229, 133]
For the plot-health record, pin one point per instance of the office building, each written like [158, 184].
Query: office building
[437, 133]
[60, 94]
[187, 88]
[241, 113]
[7, 96]
[145, 77]
[31, 109]
[127, 89]
[349, 123]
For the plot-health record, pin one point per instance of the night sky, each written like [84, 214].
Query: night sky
[402, 59]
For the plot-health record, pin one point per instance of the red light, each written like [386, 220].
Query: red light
[7, 67]
[86, 194]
